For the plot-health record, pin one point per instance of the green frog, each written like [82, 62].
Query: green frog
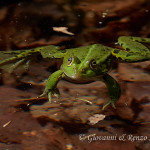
[83, 64]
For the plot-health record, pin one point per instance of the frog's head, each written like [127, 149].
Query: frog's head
[81, 69]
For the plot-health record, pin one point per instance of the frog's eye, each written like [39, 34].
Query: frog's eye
[70, 60]
[93, 64]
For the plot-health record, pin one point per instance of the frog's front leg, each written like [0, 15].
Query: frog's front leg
[51, 85]
[113, 90]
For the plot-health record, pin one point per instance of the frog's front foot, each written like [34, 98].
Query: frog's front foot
[51, 92]
[109, 102]
[113, 90]
[51, 83]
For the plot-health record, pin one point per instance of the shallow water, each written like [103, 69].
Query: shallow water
[75, 120]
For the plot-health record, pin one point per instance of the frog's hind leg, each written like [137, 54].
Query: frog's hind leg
[15, 65]
[137, 39]
[133, 49]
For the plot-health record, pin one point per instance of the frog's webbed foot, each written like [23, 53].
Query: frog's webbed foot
[109, 102]
[54, 92]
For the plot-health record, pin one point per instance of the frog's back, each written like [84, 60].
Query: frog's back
[98, 52]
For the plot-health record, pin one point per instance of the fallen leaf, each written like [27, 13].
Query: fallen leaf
[63, 30]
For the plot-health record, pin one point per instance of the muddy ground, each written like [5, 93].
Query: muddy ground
[76, 120]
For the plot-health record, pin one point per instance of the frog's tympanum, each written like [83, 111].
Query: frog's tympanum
[86, 63]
